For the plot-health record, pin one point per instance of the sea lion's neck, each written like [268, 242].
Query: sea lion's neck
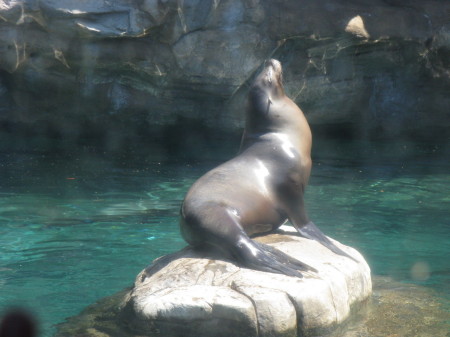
[296, 132]
[290, 142]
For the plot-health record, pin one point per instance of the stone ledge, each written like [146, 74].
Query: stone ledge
[186, 293]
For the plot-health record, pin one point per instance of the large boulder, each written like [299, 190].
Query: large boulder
[115, 69]
[394, 309]
[189, 293]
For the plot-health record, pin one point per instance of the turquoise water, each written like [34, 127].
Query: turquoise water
[75, 227]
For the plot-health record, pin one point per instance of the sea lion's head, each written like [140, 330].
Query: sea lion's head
[265, 92]
[270, 79]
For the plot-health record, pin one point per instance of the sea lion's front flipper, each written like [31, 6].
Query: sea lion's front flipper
[310, 231]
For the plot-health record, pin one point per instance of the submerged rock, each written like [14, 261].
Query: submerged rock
[188, 294]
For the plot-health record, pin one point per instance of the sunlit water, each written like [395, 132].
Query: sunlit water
[77, 227]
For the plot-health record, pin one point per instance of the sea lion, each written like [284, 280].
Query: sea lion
[259, 189]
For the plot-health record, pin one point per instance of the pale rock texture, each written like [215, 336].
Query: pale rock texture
[191, 293]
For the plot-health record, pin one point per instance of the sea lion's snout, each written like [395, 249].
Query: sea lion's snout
[272, 63]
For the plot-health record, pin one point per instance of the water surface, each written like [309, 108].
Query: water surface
[78, 226]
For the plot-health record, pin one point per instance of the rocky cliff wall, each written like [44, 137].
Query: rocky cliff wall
[119, 69]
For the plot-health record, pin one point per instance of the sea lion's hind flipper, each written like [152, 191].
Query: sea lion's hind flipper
[258, 259]
[285, 258]
[258, 256]
[310, 231]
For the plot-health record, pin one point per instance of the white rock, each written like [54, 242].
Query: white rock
[356, 26]
[188, 294]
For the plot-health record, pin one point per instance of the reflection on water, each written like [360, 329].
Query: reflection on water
[79, 227]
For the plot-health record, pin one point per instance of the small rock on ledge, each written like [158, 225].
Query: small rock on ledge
[190, 294]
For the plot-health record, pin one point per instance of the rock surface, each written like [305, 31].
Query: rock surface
[188, 294]
[395, 309]
[119, 69]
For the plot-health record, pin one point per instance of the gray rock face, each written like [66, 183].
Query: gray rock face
[188, 294]
[119, 67]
